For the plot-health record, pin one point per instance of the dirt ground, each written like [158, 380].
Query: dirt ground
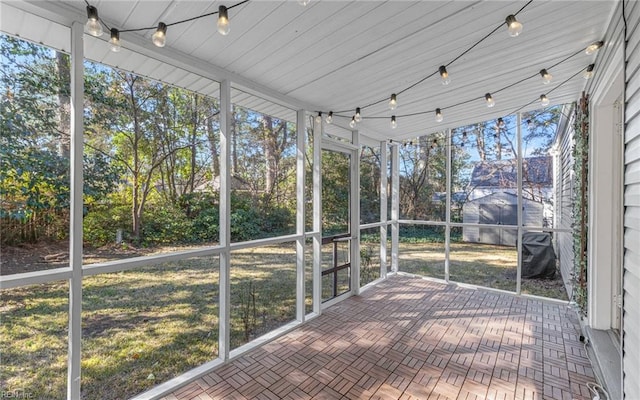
[43, 256]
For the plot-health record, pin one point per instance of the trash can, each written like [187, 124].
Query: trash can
[538, 256]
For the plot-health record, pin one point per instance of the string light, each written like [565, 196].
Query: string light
[546, 76]
[489, 99]
[444, 75]
[357, 117]
[439, 116]
[544, 100]
[514, 27]
[115, 40]
[319, 117]
[393, 102]
[529, 124]
[394, 124]
[223, 21]
[93, 25]
[500, 122]
[588, 73]
[329, 117]
[352, 124]
[159, 38]
[593, 47]
[434, 144]
[303, 2]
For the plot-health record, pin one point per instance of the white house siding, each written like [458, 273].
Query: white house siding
[564, 199]
[631, 282]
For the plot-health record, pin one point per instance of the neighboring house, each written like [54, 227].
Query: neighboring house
[493, 192]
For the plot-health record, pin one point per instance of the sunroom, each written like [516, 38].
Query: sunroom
[320, 199]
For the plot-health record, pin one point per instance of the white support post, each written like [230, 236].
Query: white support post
[354, 219]
[300, 214]
[75, 228]
[395, 205]
[447, 233]
[317, 218]
[226, 116]
[384, 195]
[520, 203]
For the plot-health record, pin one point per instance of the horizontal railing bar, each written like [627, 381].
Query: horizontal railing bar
[373, 225]
[34, 278]
[144, 261]
[412, 222]
[264, 242]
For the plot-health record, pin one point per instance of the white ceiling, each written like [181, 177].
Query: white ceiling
[338, 55]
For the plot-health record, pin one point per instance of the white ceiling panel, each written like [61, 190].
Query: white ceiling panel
[338, 55]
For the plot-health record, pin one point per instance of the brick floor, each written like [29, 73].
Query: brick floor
[409, 338]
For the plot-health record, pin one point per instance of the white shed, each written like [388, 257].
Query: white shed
[499, 208]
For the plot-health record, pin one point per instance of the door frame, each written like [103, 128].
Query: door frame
[353, 150]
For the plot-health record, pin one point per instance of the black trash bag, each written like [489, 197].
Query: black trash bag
[538, 256]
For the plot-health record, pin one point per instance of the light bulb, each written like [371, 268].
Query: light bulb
[115, 40]
[319, 117]
[303, 2]
[439, 116]
[93, 25]
[357, 117]
[500, 122]
[546, 76]
[446, 79]
[588, 73]
[352, 124]
[529, 124]
[393, 102]
[489, 99]
[223, 21]
[434, 144]
[329, 117]
[544, 100]
[159, 38]
[394, 124]
[593, 47]
[514, 27]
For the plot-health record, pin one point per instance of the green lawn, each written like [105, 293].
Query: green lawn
[145, 326]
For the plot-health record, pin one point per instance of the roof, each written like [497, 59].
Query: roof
[502, 174]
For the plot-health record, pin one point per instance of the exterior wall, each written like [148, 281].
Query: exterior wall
[631, 263]
[564, 201]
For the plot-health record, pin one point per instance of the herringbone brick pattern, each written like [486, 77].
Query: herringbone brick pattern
[409, 338]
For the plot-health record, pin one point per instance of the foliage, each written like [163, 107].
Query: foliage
[580, 202]
[35, 143]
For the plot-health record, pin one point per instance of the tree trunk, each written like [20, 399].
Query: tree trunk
[194, 132]
[270, 152]
[64, 104]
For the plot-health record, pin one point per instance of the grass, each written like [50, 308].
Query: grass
[479, 264]
[145, 326]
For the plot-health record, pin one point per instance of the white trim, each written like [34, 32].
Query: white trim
[224, 323]
[447, 229]
[519, 203]
[317, 219]
[336, 300]
[605, 189]
[384, 196]
[395, 205]
[75, 226]
[34, 278]
[157, 392]
[300, 215]
[144, 261]
[354, 213]
[265, 242]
